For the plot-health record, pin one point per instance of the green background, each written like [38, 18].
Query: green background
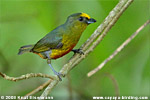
[24, 22]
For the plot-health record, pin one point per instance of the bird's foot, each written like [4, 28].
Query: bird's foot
[59, 75]
[79, 51]
[56, 73]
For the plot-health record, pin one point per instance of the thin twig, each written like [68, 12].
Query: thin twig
[115, 83]
[49, 88]
[26, 76]
[69, 87]
[118, 49]
[76, 59]
[41, 87]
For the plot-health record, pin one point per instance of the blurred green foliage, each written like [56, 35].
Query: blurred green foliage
[24, 22]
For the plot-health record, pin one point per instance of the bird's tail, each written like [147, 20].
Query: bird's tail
[26, 48]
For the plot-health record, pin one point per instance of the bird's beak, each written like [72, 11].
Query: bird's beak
[91, 20]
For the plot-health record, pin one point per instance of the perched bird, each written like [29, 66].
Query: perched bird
[61, 40]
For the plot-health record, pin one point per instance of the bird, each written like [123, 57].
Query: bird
[61, 40]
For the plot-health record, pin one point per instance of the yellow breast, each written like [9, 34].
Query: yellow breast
[68, 45]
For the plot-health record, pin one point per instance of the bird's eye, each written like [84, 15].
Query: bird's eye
[81, 19]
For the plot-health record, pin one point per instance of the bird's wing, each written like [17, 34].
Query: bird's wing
[50, 41]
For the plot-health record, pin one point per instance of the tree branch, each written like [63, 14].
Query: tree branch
[118, 49]
[116, 13]
[109, 21]
[41, 87]
[27, 76]
[87, 47]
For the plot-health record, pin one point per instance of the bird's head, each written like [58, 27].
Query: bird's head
[80, 19]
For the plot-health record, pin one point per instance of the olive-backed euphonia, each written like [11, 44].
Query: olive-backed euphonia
[61, 40]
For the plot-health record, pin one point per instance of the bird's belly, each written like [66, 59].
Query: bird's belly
[68, 44]
[57, 53]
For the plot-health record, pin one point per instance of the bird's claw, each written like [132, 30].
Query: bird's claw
[59, 75]
[78, 51]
